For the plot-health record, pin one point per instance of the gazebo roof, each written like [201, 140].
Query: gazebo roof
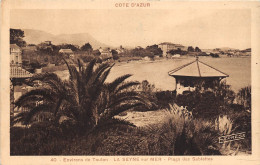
[19, 72]
[196, 69]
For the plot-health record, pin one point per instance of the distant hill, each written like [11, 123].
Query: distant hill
[227, 48]
[37, 36]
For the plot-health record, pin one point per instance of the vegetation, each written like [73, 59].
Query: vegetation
[178, 51]
[149, 51]
[69, 46]
[85, 102]
[115, 54]
[244, 97]
[80, 116]
[87, 47]
[190, 49]
[197, 49]
[16, 37]
[183, 131]
[178, 135]
[215, 55]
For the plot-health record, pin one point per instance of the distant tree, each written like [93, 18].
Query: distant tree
[197, 49]
[178, 51]
[155, 50]
[215, 55]
[69, 46]
[31, 45]
[190, 49]
[115, 54]
[203, 54]
[96, 52]
[139, 52]
[16, 37]
[87, 47]
[87, 58]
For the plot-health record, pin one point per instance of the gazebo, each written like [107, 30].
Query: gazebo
[195, 73]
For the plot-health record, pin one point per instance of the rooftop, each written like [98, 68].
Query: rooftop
[65, 51]
[19, 72]
[166, 43]
[197, 69]
[14, 46]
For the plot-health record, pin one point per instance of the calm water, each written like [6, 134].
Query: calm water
[156, 72]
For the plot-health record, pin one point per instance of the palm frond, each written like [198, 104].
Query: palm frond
[126, 86]
[26, 116]
[89, 70]
[122, 108]
[99, 71]
[19, 117]
[72, 70]
[113, 85]
[37, 109]
[43, 93]
[104, 75]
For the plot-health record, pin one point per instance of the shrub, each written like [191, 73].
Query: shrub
[39, 139]
[208, 103]
[87, 58]
[165, 97]
[244, 97]
[202, 105]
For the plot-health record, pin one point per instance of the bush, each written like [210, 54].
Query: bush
[165, 97]
[244, 97]
[115, 57]
[208, 103]
[87, 58]
[39, 139]
[202, 105]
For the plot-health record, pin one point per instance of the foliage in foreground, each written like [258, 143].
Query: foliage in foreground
[180, 134]
[84, 101]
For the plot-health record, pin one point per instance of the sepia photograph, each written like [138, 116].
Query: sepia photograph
[130, 80]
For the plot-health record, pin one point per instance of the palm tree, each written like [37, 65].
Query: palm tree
[45, 98]
[86, 99]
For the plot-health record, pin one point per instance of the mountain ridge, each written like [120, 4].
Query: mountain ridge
[33, 36]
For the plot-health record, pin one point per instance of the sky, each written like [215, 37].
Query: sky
[142, 27]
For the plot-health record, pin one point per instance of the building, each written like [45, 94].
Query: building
[15, 55]
[195, 73]
[120, 49]
[67, 52]
[17, 77]
[30, 48]
[47, 43]
[106, 53]
[167, 46]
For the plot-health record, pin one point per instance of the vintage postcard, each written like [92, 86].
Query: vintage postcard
[129, 82]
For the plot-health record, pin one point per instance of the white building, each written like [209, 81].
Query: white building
[15, 55]
[167, 46]
[105, 54]
[67, 52]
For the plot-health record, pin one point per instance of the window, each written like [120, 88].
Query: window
[16, 59]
